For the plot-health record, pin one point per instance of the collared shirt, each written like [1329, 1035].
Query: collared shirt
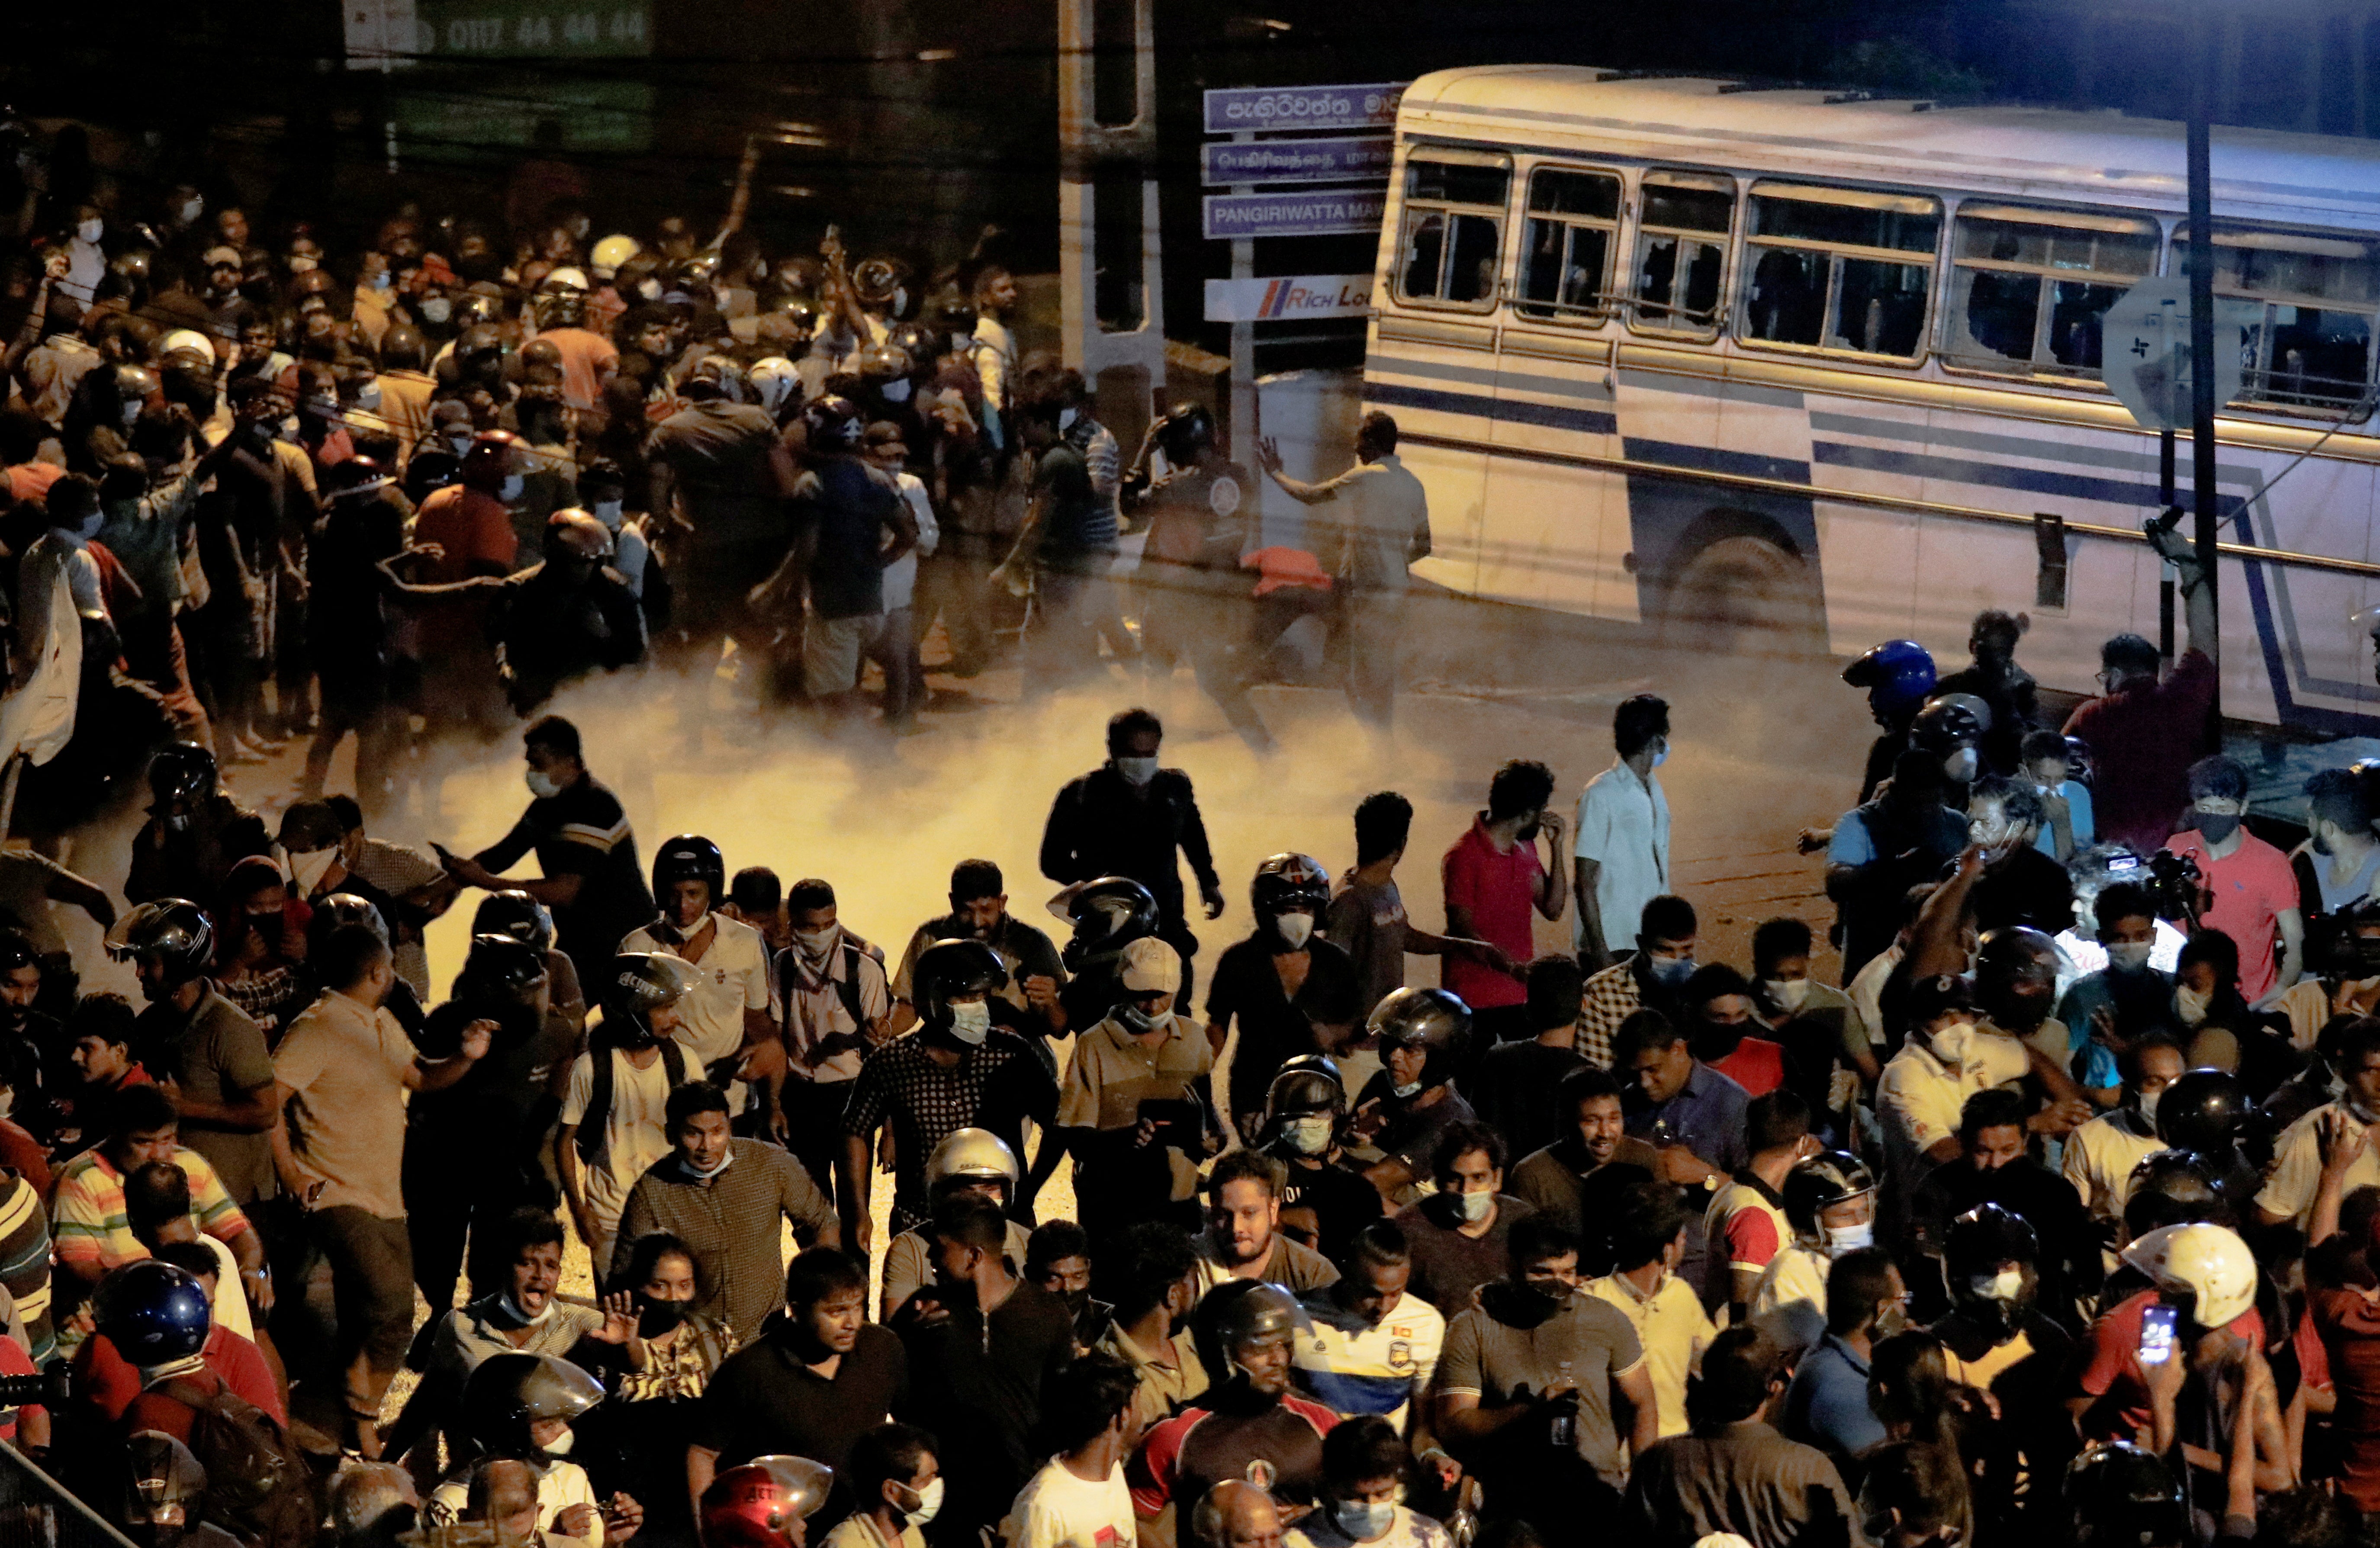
[1826, 1405]
[2298, 1167]
[1745, 1225]
[1383, 523]
[1360, 1368]
[2099, 1158]
[732, 978]
[2248, 890]
[1292, 1266]
[1164, 1390]
[1500, 888]
[996, 1085]
[1791, 1300]
[1112, 1072]
[1707, 1116]
[1611, 995]
[1746, 1479]
[345, 1063]
[823, 1040]
[1624, 827]
[1022, 950]
[1674, 1329]
[728, 1220]
[87, 1219]
[1586, 1339]
[1919, 1099]
[216, 1055]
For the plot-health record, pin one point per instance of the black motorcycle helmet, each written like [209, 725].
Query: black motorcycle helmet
[689, 857]
[515, 913]
[181, 772]
[957, 966]
[152, 1312]
[1290, 883]
[2175, 1175]
[500, 968]
[1108, 914]
[640, 983]
[2121, 1495]
[508, 1392]
[1979, 1242]
[1434, 1020]
[171, 930]
[1186, 433]
[2201, 1112]
[833, 423]
[343, 908]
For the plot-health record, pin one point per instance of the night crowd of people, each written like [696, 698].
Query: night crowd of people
[2055, 1219]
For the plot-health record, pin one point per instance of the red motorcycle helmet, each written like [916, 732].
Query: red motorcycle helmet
[763, 1503]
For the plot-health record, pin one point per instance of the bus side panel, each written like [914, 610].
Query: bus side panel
[1560, 531]
[1441, 394]
[2287, 630]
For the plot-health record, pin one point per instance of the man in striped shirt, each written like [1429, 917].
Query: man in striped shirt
[90, 1226]
[1366, 1349]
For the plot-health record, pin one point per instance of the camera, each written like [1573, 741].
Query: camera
[48, 1389]
[2176, 884]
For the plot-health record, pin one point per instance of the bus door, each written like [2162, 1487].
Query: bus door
[1559, 529]
[1432, 361]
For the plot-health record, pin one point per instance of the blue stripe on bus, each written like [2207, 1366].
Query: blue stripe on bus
[1715, 459]
[1997, 475]
[1588, 422]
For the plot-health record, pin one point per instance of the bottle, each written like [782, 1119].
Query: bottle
[1564, 1430]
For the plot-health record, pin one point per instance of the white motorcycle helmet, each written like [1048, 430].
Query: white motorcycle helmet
[2210, 1261]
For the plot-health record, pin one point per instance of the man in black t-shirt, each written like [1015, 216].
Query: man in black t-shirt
[584, 847]
[2020, 884]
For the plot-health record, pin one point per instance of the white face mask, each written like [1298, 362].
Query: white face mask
[930, 1503]
[896, 391]
[1844, 1238]
[1412, 1090]
[971, 1021]
[1310, 1135]
[900, 302]
[608, 513]
[1294, 928]
[309, 869]
[368, 396]
[1136, 771]
[289, 427]
[91, 526]
[1474, 1207]
[90, 230]
[302, 264]
[2005, 1286]
[2130, 956]
[436, 309]
[816, 944]
[1960, 768]
[514, 484]
[542, 784]
[2190, 1006]
[2148, 1103]
[189, 211]
[1949, 1044]
[1789, 993]
[380, 281]
[560, 1446]
[132, 411]
[513, 1309]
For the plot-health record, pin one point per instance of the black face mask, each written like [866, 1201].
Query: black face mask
[1529, 834]
[657, 1317]
[1078, 1302]
[2215, 826]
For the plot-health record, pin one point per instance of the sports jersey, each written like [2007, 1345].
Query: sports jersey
[1749, 1218]
[1359, 1368]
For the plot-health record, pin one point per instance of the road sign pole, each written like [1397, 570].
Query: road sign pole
[2202, 330]
[1244, 343]
[2164, 576]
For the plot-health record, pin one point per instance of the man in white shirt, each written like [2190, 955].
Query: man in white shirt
[1623, 836]
[725, 1014]
[1079, 1498]
[2289, 1196]
[2099, 1156]
[615, 1100]
[896, 648]
[1945, 1060]
[1364, 1466]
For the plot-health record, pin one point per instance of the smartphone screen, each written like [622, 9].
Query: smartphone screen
[2156, 1334]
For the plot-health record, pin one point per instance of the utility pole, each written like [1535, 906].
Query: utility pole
[2202, 328]
[1082, 144]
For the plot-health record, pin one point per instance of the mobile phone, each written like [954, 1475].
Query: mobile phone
[2157, 1334]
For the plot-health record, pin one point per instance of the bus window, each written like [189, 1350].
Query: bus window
[2311, 343]
[1453, 232]
[1567, 269]
[1840, 269]
[1682, 253]
[2028, 286]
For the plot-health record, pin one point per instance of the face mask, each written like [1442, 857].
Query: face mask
[1528, 835]
[1364, 1519]
[1960, 766]
[1135, 1020]
[132, 412]
[2215, 826]
[310, 867]
[437, 309]
[1294, 928]
[459, 444]
[90, 230]
[816, 944]
[1788, 993]
[1552, 1295]
[928, 1505]
[1950, 1044]
[1844, 1238]
[900, 302]
[648, 290]
[1136, 771]
[514, 484]
[2321, 842]
[289, 428]
[2190, 1007]
[1412, 1090]
[1893, 1319]
[302, 264]
[542, 784]
[1474, 1207]
[2004, 1286]
[91, 524]
[725, 1157]
[608, 513]
[513, 1309]
[561, 1444]
[368, 396]
[2148, 1104]
[896, 391]
[1669, 971]
[1661, 755]
[971, 1023]
[177, 822]
[657, 1317]
[189, 210]
[686, 932]
[2129, 956]
[1310, 1135]
[380, 281]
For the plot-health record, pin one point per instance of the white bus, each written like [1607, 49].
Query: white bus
[1666, 348]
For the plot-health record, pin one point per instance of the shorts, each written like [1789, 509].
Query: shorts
[831, 649]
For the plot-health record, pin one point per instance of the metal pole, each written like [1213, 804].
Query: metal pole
[1244, 343]
[2202, 330]
[2165, 572]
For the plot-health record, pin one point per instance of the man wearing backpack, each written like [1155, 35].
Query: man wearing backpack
[340, 1078]
[835, 1007]
[258, 1486]
[614, 1105]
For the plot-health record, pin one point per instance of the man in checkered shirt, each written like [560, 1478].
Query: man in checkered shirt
[1648, 978]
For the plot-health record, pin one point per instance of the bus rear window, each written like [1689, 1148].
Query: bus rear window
[1573, 218]
[1453, 232]
[2028, 287]
[2310, 341]
[1848, 270]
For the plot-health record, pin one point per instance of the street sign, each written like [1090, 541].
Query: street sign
[2145, 348]
[1288, 297]
[1263, 108]
[1297, 161]
[1319, 212]
[527, 28]
[380, 35]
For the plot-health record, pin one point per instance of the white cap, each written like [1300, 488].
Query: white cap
[1150, 967]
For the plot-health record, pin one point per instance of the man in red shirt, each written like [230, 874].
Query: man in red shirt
[1492, 878]
[470, 527]
[2142, 733]
[587, 358]
[2250, 892]
[1715, 1008]
[109, 1383]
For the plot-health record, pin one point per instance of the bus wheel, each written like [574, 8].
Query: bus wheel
[1743, 594]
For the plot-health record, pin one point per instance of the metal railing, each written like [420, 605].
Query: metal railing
[37, 1511]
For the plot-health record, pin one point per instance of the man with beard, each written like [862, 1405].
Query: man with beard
[980, 911]
[1993, 1168]
[1995, 1340]
[725, 1018]
[1243, 1239]
[1580, 1178]
[1249, 1425]
[2020, 884]
[1149, 1271]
